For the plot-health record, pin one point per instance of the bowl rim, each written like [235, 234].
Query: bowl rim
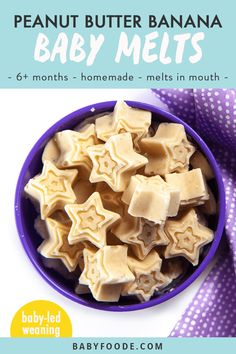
[106, 106]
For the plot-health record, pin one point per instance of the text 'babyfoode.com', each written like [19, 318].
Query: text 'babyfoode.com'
[119, 346]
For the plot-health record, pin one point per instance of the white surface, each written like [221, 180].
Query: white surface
[25, 115]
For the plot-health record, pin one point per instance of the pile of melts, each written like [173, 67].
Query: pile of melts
[124, 203]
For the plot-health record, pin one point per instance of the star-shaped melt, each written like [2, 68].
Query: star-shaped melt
[140, 234]
[147, 239]
[168, 150]
[147, 276]
[52, 188]
[124, 119]
[115, 162]
[56, 246]
[106, 272]
[186, 237]
[73, 147]
[90, 221]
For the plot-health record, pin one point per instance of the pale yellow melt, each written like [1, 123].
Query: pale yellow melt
[147, 276]
[115, 162]
[151, 204]
[168, 150]
[56, 246]
[124, 119]
[140, 234]
[52, 189]
[90, 221]
[105, 272]
[157, 184]
[186, 237]
[73, 147]
[192, 186]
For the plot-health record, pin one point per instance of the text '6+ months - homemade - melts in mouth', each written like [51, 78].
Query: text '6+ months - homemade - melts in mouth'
[121, 204]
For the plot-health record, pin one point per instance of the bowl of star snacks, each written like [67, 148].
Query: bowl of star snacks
[120, 206]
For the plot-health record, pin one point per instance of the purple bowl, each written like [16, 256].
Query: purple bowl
[25, 213]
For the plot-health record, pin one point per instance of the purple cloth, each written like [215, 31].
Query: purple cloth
[212, 113]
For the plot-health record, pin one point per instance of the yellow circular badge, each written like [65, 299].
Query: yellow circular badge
[41, 319]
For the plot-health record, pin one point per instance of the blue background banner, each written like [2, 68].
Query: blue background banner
[20, 28]
[118, 345]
